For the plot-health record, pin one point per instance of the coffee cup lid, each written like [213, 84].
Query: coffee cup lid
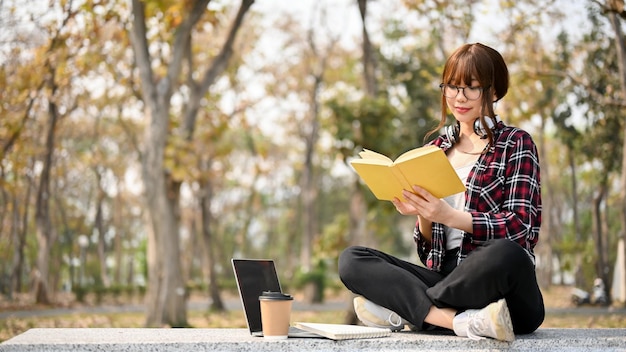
[275, 296]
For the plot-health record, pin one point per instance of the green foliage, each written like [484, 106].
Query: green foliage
[97, 293]
[80, 292]
[315, 278]
[333, 240]
[404, 109]
[363, 122]
[411, 79]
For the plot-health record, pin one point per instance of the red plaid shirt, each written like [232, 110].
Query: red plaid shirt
[503, 195]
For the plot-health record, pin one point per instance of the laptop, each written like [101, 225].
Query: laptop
[254, 276]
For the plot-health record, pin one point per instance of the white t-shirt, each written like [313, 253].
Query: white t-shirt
[457, 201]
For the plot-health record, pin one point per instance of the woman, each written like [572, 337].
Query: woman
[478, 277]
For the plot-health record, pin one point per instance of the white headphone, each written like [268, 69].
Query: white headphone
[452, 131]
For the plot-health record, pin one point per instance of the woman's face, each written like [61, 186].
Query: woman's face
[464, 100]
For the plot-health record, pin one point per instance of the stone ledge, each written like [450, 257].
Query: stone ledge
[114, 339]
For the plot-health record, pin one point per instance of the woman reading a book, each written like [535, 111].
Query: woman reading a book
[478, 273]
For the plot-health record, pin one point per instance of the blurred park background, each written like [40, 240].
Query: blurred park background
[143, 144]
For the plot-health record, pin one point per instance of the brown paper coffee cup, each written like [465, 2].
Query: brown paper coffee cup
[275, 314]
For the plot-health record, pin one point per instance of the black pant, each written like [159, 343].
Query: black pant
[498, 269]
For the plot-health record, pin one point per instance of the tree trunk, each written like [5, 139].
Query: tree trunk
[217, 304]
[310, 193]
[358, 211]
[544, 249]
[309, 188]
[120, 235]
[166, 296]
[605, 268]
[19, 242]
[20, 238]
[101, 245]
[369, 61]
[601, 263]
[578, 268]
[43, 227]
[621, 55]
[309, 196]
[358, 207]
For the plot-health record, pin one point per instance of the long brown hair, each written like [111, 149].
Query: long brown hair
[484, 64]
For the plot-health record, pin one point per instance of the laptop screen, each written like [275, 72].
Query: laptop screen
[253, 277]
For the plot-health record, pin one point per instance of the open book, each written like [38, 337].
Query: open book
[343, 331]
[427, 167]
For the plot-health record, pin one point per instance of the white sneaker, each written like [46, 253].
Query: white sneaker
[371, 314]
[492, 321]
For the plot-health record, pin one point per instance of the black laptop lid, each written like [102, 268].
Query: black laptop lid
[253, 277]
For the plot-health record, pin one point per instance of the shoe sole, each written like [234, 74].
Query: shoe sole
[504, 326]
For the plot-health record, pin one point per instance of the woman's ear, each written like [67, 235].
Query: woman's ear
[495, 96]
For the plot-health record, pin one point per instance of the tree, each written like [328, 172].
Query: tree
[306, 78]
[166, 302]
[20, 96]
[615, 9]
[55, 76]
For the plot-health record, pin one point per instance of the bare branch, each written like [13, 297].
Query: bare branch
[142, 54]
[182, 40]
[217, 67]
[221, 61]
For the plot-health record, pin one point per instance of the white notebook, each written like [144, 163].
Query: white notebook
[343, 331]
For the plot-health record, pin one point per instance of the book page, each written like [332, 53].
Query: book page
[372, 161]
[344, 331]
[369, 154]
[414, 153]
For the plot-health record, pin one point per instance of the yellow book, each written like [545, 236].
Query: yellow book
[427, 167]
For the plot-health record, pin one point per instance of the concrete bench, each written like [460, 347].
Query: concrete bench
[113, 339]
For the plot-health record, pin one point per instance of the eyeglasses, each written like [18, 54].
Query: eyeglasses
[451, 91]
